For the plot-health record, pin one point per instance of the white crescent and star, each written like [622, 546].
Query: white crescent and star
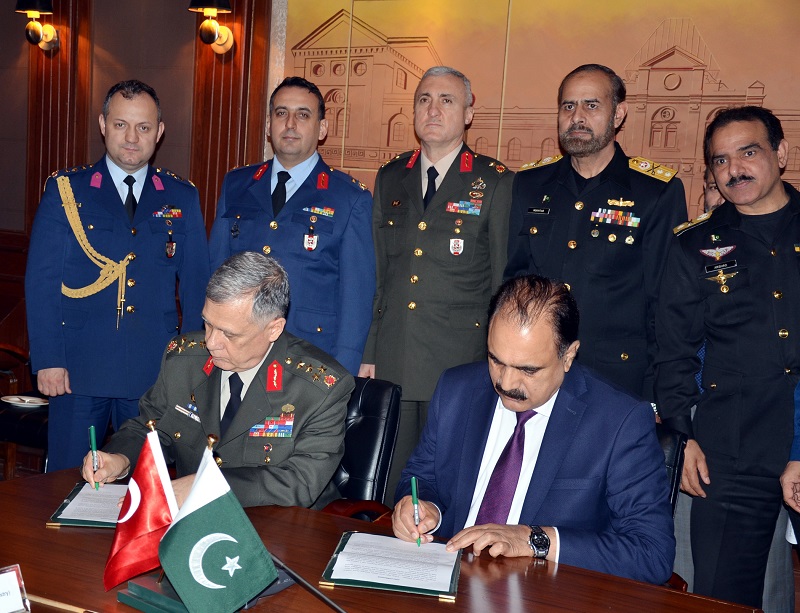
[196, 559]
[136, 499]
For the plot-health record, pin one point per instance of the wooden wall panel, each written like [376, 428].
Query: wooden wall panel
[230, 101]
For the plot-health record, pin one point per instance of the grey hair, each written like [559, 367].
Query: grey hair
[439, 71]
[254, 275]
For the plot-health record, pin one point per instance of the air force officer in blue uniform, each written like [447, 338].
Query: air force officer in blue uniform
[105, 255]
[315, 220]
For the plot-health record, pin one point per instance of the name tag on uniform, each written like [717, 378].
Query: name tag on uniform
[538, 211]
[721, 266]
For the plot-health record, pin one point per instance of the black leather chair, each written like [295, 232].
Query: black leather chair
[373, 415]
[672, 444]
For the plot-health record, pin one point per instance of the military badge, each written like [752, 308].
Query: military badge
[97, 180]
[717, 252]
[310, 240]
[170, 246]
[466, 162]
[620, 202]
[322, 180]
[412, 160]
[476, 194]
[172, 345]
[287, 408]
[329, 380]
[722, 279]
[260, 172]
[157, 183]
[500, 168]
[274, 377]
[456, 246]
[209, 366]
[395, 203]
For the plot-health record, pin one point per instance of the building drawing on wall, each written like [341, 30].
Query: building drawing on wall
[674, 88]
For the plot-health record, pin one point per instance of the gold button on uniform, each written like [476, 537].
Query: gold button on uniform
[713, 386]
[131, 282]
[417, 252]
[319, 328]
[90, 227]
[133, 231]
[595, 233]
[624, 357]
[724, 289]
[783, 333]
[629, 240]
[612, 238]
[131, 257]
[130, 309]
[177, 435]
[267, 460]
[788, 371]
[390, 222]
[778, 294]
[412, 305]
[579, 205]
[266, 249]
[477, 324]
[273, 225]
[572, 244]
[773, 253]
[534, 230]
[414, 278]
[422, 225]
[457, 230]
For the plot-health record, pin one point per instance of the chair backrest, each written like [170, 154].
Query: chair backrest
[672, 444]
[373, 415]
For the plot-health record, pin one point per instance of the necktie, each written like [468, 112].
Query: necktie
[130, 201]
[235, 383]
[503, 483]
[279, 195]
[431, 190]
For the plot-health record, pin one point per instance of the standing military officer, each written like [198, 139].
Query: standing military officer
[601, 222]
[440, 223]
[732, 279]
[316, 221]
[108, 245]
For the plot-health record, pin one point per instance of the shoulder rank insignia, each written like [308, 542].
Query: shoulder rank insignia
[97, 180]
[550, 159]
[677, 230]
[652, 169]
[209, 366]
[413, 159]
[466, 162]
[322, 180]
[157, 183]
[261, 170]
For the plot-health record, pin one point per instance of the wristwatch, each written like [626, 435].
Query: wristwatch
[539, 542]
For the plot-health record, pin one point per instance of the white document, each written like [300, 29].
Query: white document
[384, 559]
[95, 505]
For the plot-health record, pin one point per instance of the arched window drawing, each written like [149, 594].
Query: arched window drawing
[664, 129]
[342, 122]
[482, 145]
[548, 148]
[399, 131]
[793, 162]
[336, 113]
[514, 150]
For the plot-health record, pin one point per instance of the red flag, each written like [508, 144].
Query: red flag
[146, 513]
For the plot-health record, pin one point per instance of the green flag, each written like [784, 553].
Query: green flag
[211, 553]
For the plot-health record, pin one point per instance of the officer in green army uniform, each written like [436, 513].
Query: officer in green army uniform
[440, 224]
[281, 433]
[601, 222]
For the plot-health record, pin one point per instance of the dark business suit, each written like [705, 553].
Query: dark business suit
[612, 263]
[291, 471]
[110, 355]
[333, 283]
[599, 478]
[743, 421]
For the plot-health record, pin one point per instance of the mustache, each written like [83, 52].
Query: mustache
[578, 128]
[514, 394]
[740, 179]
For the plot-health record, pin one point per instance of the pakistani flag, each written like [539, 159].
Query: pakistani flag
[211, 553]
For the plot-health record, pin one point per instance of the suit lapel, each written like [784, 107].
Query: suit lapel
[564, 420]
[206, 399]
[106, 196]
[260, 191]
[476, 431]
[307, 192]
[452, 184]
[412, 183]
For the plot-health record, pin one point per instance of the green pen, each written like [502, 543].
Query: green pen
[415, 502]
[93, 444]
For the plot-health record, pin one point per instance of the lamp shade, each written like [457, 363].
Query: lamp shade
[222, 6]
[43, 7]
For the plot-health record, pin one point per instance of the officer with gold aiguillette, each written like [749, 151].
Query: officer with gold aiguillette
[109, 243]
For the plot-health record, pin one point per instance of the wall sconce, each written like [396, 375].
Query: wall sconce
[42, 34]
[211, 33]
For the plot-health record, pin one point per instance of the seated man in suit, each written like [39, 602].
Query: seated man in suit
[281, 433]
[534, 455]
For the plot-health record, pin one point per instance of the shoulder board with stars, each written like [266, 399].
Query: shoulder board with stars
[169, 173]
[550, 159]
[179, 345]
[651, 169]
[346, 176]
[399, 156]
[317, 373]
[678, 230]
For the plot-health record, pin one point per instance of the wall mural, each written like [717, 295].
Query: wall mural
[680, 62]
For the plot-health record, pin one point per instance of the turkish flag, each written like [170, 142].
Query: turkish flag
[146, 513]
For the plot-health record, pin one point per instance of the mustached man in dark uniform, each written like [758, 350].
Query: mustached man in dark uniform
[316, 221]
[601, 222]
[732, 280]
[440, 223]
[109, 243]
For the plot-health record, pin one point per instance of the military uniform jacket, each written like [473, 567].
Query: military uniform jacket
[742, 296]
[322, 237]
[608, 242]
[81, 334]
[297, 381]
[437, 268]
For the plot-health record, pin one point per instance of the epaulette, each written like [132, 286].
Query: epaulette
[651, 169]
[317, 372]
[678, 230]
[398, 156]
[550, 159]
[345, 176]
[179, 345]
[498, 167]
[169, 173]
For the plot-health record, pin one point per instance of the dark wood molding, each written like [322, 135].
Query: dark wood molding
[230, 101]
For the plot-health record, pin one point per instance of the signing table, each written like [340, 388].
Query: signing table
[65, 565]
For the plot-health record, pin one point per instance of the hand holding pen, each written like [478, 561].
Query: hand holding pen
[93, 446]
